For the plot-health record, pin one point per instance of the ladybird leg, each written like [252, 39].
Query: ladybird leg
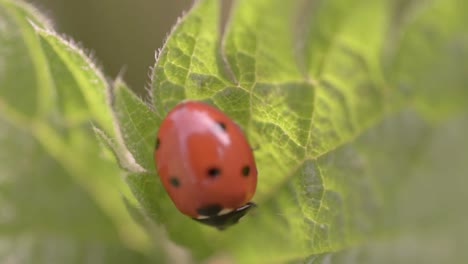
[157, 143]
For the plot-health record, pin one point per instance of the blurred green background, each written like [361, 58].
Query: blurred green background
[133, 29]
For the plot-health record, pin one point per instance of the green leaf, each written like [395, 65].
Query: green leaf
[419, 221]
[82, 87]
[20, 63]
[322, 88]
[60, 193]
[432, 59]
[135, 117]
[45, 216]
[73, 73]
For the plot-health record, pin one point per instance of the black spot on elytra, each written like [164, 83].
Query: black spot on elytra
[246, 171]
[213, 172]
[222, 125]
[158, 142]
[210, 210]
[174, 181]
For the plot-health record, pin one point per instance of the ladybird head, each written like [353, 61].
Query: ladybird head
[215, 216]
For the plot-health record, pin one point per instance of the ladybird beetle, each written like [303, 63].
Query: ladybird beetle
[205, 164]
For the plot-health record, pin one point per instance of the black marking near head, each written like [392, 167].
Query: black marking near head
[210, 210]
[222, 125]
[213, 172]
[158, 142]
[224, 221]
[246, 171]
[174, 181]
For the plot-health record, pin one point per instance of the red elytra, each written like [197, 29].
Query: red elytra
[205, 164]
